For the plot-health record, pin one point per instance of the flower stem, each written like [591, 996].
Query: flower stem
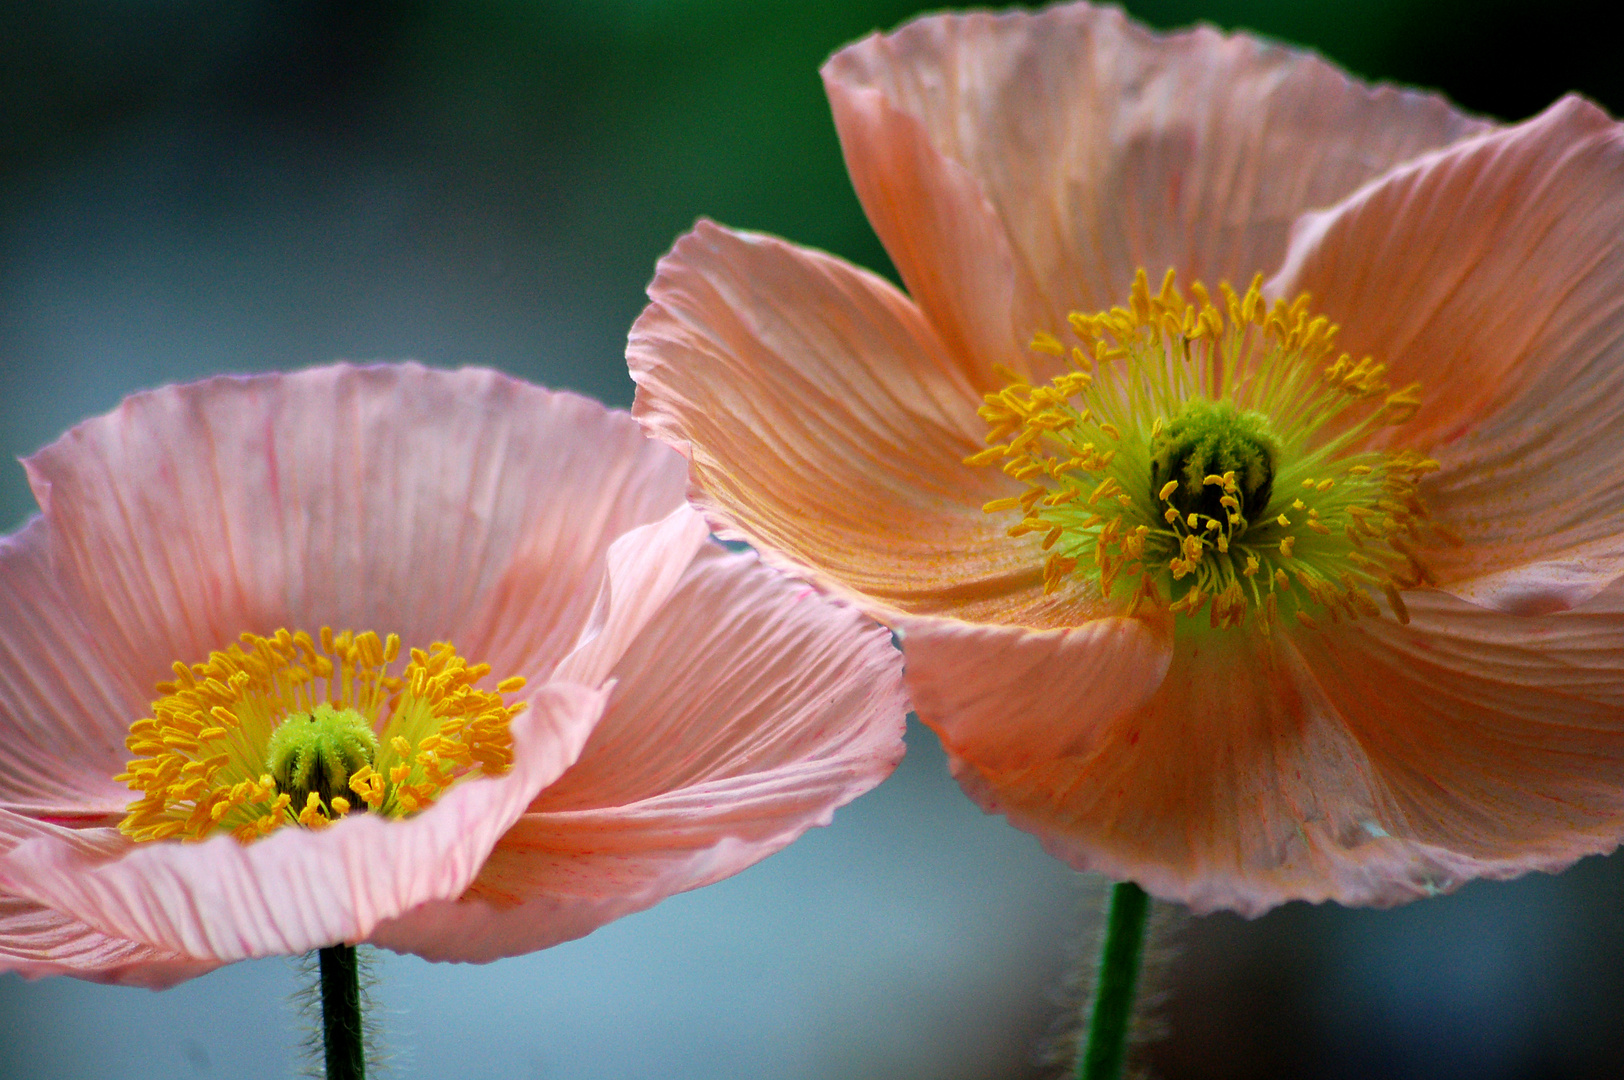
[341, 1014]
[1106, 1050]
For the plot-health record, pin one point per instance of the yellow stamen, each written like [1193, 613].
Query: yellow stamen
[201, 761]
[1266, 376]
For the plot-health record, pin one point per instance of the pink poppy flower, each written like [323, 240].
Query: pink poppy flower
[551, 699]
[1243, 596]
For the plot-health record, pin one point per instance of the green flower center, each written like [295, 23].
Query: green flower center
[1211, 438]
[279, 730]
[318, 751]
[1200, 453]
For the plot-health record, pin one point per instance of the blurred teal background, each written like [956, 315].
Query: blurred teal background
[190, 187]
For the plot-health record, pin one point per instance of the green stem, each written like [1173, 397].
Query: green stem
[341, 1014]
[1106, 1051]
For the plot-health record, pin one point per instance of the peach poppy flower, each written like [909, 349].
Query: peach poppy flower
[1240, 595]
[554, 700]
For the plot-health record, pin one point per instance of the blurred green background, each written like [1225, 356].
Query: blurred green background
[191, 187]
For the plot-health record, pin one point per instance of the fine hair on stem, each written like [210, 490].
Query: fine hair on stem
[1060, 1050]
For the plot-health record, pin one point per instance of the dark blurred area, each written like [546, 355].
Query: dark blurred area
[190, 187]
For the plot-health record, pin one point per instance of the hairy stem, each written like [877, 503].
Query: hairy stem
[1106, 1050]
[341, 1014]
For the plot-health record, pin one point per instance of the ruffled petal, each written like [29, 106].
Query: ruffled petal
[438, 505]
[748, 710]
[36, 941]
[1493, 274]
[1101, 147]
[825, 424]
[945, 238]
[220, 901]
[642, 568]
[1370, 764]
[1497, 737]
[1007, 696]
[63, 713]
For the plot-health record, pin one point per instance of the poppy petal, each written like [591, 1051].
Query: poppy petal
[1493, 274]
[63, 715]
[36, 941]
[747, 711]
[824, 424]
[1101, 147]
[298, 890]
[1370, 764]
[389, 498]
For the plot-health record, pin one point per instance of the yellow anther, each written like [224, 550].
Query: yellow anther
[987, 456]
[232, 702]
[1047, 343]
[1400, 612]
[1271, 358]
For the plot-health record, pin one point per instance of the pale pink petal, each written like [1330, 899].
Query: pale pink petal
[824, 423]
[63, 715]
[748, 710]
[1493, 274]
[439, 505]
[1369, 764]
[642, 568]
[1101, 147]
[298, 890]
[36, 941]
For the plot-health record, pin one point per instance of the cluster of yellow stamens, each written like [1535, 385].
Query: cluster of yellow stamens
[270, 731]
[1204, 447]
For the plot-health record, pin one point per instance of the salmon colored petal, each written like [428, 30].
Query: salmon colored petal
[1496, 736]
[1101, 147]
[825, 424]
[1006, 696]
[63, 715]
[1370, 764]
[1493, 274]
[297, 890]
[748, 710]
[942, 234]
[458, 505]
